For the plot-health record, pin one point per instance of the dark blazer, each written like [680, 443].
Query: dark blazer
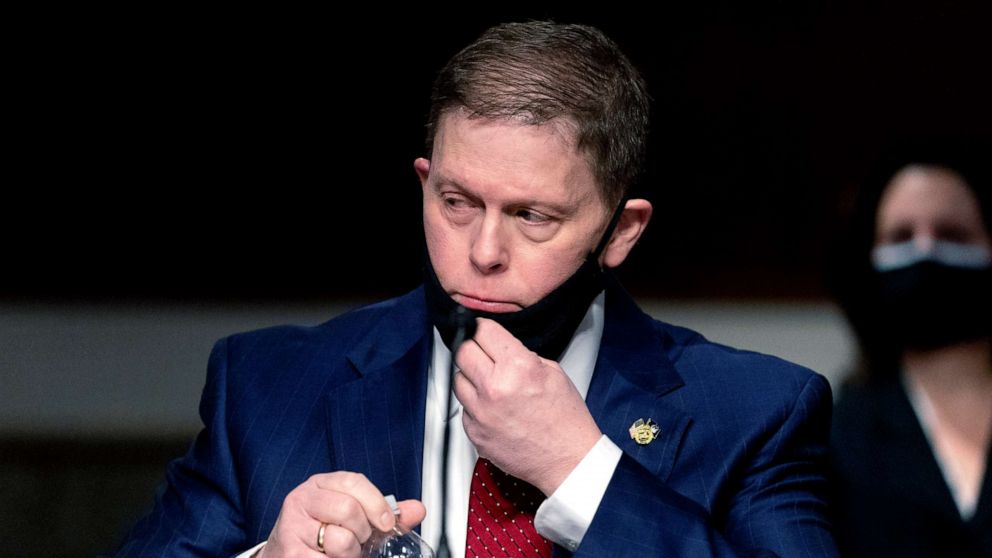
[738, 468]
[890, 495]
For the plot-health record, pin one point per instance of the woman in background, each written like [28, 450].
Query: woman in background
[912, 429]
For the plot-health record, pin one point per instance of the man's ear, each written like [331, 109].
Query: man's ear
[633, 221]
[423, 168]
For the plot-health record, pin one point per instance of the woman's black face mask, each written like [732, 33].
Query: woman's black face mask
[935, 299]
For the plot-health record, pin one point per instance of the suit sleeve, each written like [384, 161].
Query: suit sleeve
[197, 510]
[776, 506]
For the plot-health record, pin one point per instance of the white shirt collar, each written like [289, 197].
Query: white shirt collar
[578, 361]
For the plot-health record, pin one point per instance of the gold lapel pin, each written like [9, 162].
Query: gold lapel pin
[644, 431]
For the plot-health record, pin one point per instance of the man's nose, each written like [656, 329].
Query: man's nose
[489, 253]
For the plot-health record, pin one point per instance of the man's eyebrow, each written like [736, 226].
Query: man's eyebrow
[438, 177]
[540, 205]
[444, 179]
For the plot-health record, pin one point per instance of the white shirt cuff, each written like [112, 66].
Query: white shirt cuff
[566, 515]
[248, 553]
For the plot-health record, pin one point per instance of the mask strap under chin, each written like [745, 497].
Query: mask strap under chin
[608, 233]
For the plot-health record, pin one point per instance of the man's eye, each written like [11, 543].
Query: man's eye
[455, 202]
[532, 217]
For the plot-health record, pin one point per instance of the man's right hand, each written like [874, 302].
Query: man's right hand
[347, 503]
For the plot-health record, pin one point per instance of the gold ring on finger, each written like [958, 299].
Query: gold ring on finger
[320, 537]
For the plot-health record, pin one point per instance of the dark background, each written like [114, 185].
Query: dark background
[269, 154]
[157, 154]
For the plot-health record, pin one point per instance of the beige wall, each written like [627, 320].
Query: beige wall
[116, 369]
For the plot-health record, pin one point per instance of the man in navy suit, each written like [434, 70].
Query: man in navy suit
[638, 438]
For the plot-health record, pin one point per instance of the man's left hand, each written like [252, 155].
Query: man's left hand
[521, 411]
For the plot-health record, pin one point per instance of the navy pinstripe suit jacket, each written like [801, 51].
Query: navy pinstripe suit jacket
[737, 469]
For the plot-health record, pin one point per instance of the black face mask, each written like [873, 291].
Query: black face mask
[544, 327]
[930, 304]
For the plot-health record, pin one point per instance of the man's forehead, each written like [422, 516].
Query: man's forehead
[475, 154]
[563, 128]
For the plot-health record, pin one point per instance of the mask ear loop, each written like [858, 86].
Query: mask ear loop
[610, 228]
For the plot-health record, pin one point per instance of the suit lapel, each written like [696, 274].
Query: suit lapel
[375, 423]
[633, 374]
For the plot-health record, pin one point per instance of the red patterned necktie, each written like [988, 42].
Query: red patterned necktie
[501, 512]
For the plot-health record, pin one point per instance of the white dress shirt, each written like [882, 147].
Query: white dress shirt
[565, 516]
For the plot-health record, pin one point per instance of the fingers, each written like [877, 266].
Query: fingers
[491, 344]
[465, 391]
[412, 513]
[335, 513]
[373, 505]
[495, 349]
[339, 541]
[473, 363]
[498, 343]
[339, 510]
[342, 540]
